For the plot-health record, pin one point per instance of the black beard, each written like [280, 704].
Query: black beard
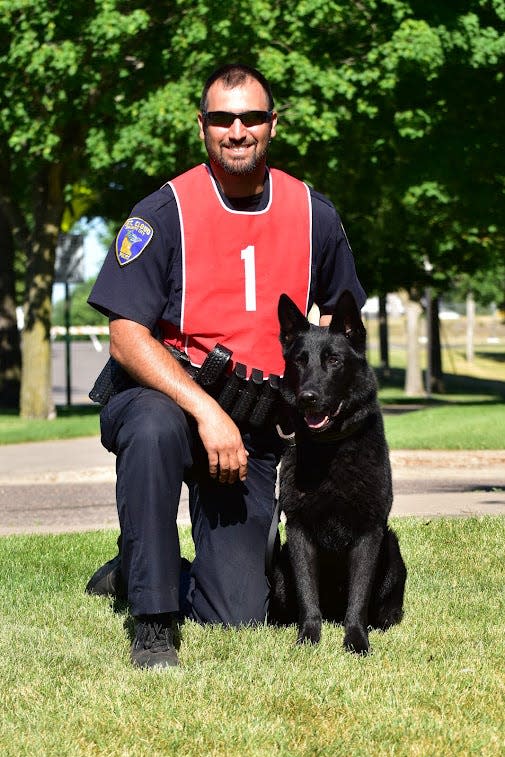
[239, 168]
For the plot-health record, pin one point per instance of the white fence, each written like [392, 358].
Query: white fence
[92, 331]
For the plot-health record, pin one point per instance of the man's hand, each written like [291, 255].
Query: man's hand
[223, 443]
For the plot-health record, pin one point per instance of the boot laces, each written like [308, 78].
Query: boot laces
[155, 635]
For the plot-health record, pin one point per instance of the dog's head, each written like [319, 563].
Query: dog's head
[326, 372]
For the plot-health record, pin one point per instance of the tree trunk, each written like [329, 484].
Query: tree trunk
[437, 375]
[36, 401]
[10, 366]
[413, 378]
[470, 327]
[383, 337]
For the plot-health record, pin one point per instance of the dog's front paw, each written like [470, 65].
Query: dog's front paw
[309, 632]
[356, 640]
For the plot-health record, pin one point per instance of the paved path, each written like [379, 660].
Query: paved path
[60, 486]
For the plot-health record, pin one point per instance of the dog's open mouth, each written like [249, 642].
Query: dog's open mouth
[320, 421]
[316, 421]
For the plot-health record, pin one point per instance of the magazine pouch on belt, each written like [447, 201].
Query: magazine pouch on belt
[111, 380]
[250, 402]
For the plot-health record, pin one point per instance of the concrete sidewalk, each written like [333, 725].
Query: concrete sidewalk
[56, 461]
[60, 486]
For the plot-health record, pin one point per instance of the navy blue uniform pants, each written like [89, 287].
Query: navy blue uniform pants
[157, 448]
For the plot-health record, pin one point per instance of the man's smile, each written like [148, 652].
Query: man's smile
[238, 148]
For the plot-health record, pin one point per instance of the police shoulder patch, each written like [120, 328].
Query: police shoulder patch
[133, 238]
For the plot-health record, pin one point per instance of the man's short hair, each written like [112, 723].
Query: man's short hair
[234, 75]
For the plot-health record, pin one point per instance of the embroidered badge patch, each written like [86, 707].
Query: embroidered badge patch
[132, 240]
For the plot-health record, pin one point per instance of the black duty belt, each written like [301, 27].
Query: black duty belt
[111, 380]
[250, 402]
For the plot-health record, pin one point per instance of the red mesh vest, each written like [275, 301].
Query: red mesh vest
[235, 266]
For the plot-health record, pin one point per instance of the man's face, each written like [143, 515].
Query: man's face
[237, 149]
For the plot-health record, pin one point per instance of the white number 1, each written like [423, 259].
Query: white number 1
[247, 255]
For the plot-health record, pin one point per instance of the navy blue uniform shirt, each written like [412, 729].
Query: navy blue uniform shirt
[150, 287]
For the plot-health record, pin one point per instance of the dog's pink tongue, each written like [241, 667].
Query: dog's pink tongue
[316, 420]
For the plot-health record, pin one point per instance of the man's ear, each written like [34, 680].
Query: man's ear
[201, 127]
[291, 320]
[273, 128]
[346, 320]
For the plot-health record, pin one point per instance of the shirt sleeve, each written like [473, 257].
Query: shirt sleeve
[138, 285]
[333, 260]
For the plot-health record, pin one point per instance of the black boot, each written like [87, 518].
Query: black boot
[107, 581]
[156, 638]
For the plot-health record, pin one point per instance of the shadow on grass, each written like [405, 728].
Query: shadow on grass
[460, 390]
[62, 411]
[498, 357]
[66, 411]
[120, 607]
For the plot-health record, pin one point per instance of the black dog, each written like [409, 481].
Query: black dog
[341, 562]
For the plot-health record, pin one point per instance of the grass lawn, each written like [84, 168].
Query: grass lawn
[451, 423]
[434, 685]
[460, 423]
[448, 426]
[70, 423]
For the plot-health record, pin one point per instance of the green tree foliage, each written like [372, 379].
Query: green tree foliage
[487, 285]
[390, 108]
[59, 73]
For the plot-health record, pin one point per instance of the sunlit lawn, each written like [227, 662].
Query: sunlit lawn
[432, 686]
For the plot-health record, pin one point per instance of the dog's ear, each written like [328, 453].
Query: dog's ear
[291, 319]
[346, 320]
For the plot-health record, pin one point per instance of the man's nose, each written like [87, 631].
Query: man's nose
[237, 129]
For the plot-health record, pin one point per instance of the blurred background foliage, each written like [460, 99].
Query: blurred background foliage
[390, 108]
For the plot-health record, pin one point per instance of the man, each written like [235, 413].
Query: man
[203, 261]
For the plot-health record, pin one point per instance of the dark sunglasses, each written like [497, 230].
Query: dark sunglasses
[249, 118]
